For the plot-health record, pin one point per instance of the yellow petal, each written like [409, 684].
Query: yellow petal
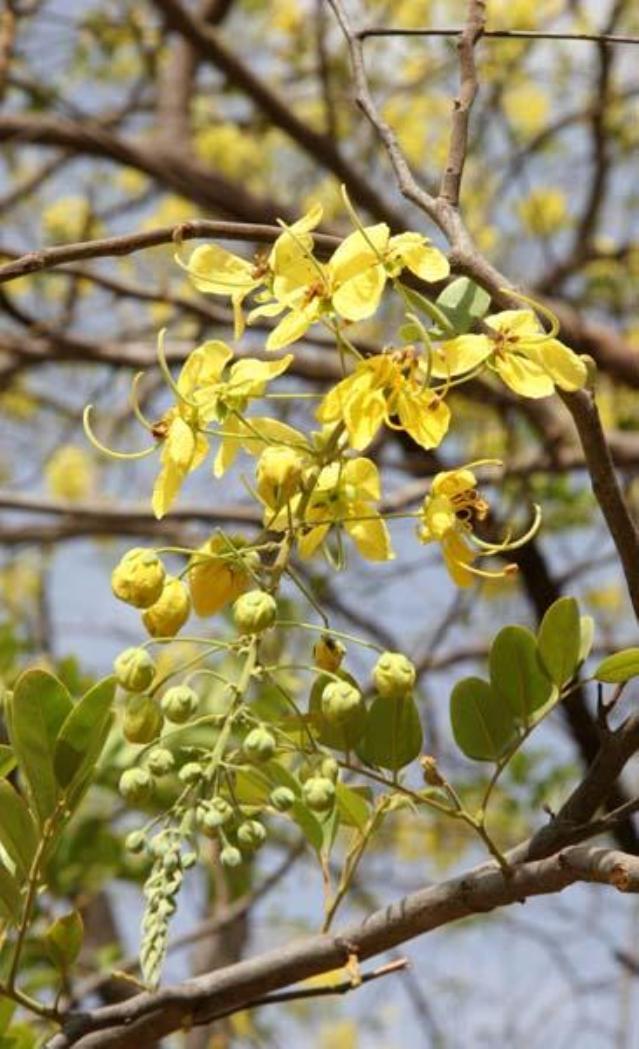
[291, 328]
[204, 365]
[524, 376]
[567, 370]
[179, 446]
[357, 252]
[359, 297]
[460, 355]
[217, 271]
[370, 536]
[364, 475]
[165, 489]
[248, 377]
[363, 416]
[421, 257]
[425, 417]
[515, 322]
[457, 555]
[438, 516]
[453, 482]
[308, 542]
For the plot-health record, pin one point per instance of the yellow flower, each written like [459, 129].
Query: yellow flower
[217, 575]
[387, 388]
[170, 612]
[70, 473]
[219, 272]
[205, 395]
[344, 495]
[526, 359]
[350, 285]
[543, 211]
[448, 515]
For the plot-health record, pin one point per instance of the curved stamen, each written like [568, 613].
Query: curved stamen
[109, 451]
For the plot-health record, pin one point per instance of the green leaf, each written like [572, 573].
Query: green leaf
[463, 303]
[353, 808]
[483, 725]
[63, 940]
[516, 675]
[8, 760]
[37, 710]
[75, 752]
[559, 640]
[18, 833]
[393, 735]
[425, 306]
[586, 637]
[618, 668]
[308, 824]
[10, 898]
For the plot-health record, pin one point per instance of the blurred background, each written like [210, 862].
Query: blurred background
[121, 117]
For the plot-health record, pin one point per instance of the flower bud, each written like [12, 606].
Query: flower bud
[251, 834]
[179, 704]
[394, 675]
[142, 722]
[138, 578]
[279, 473]
[341, 702]
[432, 775]
[136, 785]
[170, 612]
[216, 581]
[134, 669]
[190, 774]
[282, 799]
[160, 761]
[259, 745]
[135, 841]
[319, 793]
[254, 612]
[330, 769]
[230, 856]
[328, 653]
[214, 814]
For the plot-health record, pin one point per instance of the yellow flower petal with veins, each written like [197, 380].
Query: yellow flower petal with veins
[524, 376]
[460, 355]
[420, 256]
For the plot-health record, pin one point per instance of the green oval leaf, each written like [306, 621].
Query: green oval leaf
[10, 898]
[18, 833]
[483, 724]
[63, 940]
[37, 710]
[353, 807]
[463, 302]
[559, 640]
[516, 674]
[76, 751]
[618, 668]
[393, 735]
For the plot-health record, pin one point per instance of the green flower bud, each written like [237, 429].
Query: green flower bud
[136, 785]
[328, 653]
[138, 578]
[214, 815]
[189, 860]
[394, 675]
[135, 841]
[251, 834]
[134, 669]
[230, 856]
[319, 793]
[330, 769]
[282, 799]
[341, 702]
[180, 703]
[142, 722]
[254, 612]
[259, 745]
[160, 761]
[190, 774]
